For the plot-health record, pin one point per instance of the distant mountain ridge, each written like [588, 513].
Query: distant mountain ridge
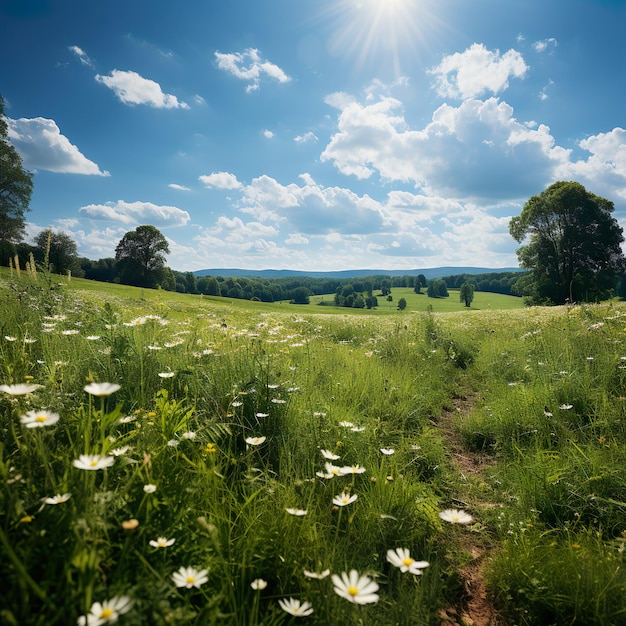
[430, 273]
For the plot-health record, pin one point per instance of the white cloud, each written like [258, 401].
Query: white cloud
[477, 71]
[475, 150]
[178, 187]
[543, 94]
[137, 213]
[131, 88]
[220, 180]
[604, 170]
[94, 244]
[249, 66]
[268, 134]
[545, 44]
[42, 147]
[311, 208]
[307, 137]
[234, 230]
[308, 225]
[296, 239]
[234, 243]
[266, 192]
[339, 100]
[82, 56]
[67, 223]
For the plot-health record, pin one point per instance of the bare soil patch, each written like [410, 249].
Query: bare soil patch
[476, 608]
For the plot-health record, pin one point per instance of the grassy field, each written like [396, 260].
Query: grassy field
[421, 302]
[172, 459]
[415, 302]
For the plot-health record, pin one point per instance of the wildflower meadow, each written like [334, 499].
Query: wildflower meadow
[183, 461]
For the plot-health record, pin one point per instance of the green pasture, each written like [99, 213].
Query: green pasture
[421, 302]
[176, 459]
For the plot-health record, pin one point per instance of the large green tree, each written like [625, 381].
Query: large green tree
[141, 256]
[60, 251]
[573, 248]
[16, 187]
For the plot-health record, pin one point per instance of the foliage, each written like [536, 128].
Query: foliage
[60, 252]
[574, 248]
[401, 304]
[141, 256]
[466, 294]
[495, 282]
[301, 296]
[16, 187]
[437, 289]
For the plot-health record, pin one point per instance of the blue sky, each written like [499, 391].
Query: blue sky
[312, 134]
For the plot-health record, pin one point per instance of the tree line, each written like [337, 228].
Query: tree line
[139, 261]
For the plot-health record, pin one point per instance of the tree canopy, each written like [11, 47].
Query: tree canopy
[16, 187]
[466, 293]
[573, 250]
[60, 252]
[141, 255]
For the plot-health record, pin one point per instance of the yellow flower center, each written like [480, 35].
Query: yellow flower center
[407, 561]
[191, 580]
[353, 591]
[93, 463]
[41, 418]
[106, 613]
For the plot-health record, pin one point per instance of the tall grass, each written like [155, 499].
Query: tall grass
[218, 436]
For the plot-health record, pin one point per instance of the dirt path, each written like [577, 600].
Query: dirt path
[476, 608]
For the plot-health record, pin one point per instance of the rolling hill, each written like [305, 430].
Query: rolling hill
[430, 273]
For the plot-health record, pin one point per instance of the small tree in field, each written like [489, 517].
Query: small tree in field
[466, 293]
[371, 301]
[401, 304]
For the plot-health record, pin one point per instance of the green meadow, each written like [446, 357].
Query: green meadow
[176, 459]
[421, 302]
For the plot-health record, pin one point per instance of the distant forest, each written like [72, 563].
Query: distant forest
[298, 289]
[355, 292]
[348, 292]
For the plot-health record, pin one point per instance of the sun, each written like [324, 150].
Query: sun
[382, 31]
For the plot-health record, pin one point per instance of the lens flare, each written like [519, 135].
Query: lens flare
[383, 31]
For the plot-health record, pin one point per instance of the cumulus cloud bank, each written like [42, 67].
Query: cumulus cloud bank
[477, 71]
[473, 150]
[42, 147]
